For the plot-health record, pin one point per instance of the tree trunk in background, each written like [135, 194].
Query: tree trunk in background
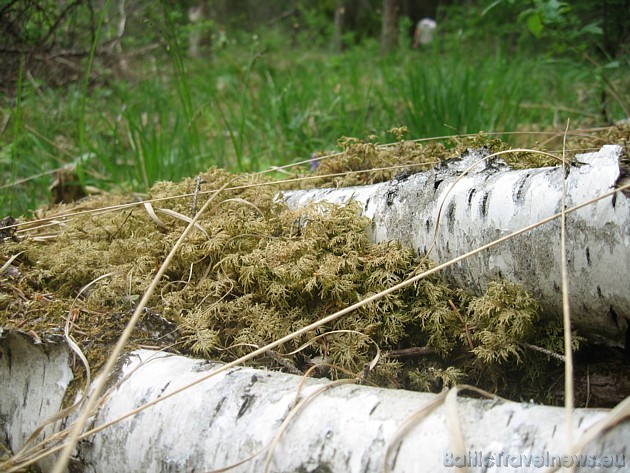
[389, 33]
[340, 15]
[196, 15]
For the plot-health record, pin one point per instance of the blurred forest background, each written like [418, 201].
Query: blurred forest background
[126, 93]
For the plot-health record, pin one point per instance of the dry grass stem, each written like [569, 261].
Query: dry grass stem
[566, 311]
[348, 309]
[74, 433]
[64, 457]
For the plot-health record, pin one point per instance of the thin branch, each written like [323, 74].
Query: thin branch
[410, 352]
[58, 21]
[7, 7]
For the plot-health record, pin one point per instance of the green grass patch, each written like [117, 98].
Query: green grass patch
[254, 105]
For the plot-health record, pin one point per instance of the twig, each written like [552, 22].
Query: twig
[198, 182]
[410, 352]
[58, 21]
[466, 326]
[552, 354]
[286, 364]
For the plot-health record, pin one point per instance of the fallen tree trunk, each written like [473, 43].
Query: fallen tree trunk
[492, 201]
[236, 414]
[34, 378]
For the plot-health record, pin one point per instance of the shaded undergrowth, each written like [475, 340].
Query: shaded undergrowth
[255, 105]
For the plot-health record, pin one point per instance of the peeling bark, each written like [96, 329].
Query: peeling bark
[493, 201]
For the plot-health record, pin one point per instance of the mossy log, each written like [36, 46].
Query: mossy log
[236, 414]
[492, 201]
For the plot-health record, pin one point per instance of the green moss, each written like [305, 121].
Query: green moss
[361, 161]
[260, 271]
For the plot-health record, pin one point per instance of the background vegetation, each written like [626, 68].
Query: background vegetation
[118, 95]
[117, 91]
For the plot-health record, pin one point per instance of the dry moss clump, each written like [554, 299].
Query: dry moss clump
[618, 134]
[363, 162]
[256, 271]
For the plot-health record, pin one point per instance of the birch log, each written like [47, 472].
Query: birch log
[234, 415]
[33, 381]
[492, 201]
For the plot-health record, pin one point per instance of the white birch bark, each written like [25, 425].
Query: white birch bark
[33, 382]
[493, 201]
[231, 416]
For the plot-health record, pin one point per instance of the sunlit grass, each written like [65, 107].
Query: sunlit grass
[249, 107]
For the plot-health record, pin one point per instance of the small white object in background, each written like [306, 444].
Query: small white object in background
[425, 30]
